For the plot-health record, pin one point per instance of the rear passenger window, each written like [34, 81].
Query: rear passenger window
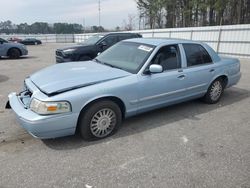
[196, 55]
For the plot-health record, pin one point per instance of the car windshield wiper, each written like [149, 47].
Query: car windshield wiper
[112, 66]
[98, 61]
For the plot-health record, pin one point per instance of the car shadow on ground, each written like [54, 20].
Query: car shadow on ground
[154, 119]
[20, 58]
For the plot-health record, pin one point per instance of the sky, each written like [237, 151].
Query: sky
[113, 12]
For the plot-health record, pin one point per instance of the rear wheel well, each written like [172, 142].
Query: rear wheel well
[8, 53]
[224, 79]
[116, 100]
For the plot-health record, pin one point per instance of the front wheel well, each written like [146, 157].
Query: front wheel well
[8, 53]
[116, 100]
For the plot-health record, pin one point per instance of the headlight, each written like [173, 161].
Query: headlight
[69, 51]
[47, 108]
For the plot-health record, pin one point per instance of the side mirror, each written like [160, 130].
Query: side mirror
[155, 69]
[103, 44]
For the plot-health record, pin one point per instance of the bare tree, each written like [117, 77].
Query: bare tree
[186, 13]
[129, 24]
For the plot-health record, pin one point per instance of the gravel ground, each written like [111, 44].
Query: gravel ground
[186, 145]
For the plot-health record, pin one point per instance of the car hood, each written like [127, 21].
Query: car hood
[64, 77]
[77, 47]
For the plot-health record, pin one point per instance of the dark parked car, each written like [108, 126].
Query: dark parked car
[31, 41]
[90, 48]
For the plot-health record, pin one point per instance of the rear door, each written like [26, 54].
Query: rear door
[199, 69]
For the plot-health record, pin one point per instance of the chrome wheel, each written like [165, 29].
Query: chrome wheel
[216, 90]
[103, 122]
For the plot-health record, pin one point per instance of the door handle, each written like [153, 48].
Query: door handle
[181, 77]
[212, 70]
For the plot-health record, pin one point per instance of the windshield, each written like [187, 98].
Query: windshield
[3, 41]
[93, 39]
[128, 56]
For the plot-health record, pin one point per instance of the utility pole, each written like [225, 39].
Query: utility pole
[84, 26]
[99, 9]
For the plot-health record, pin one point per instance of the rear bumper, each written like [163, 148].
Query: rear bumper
[24, 52]
[43, 127]
[234, 79]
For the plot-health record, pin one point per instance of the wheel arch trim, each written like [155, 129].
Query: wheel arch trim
[223, 76]
[8, 51]
[115, 99]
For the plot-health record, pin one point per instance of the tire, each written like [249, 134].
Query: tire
[84, 58]
[214, 92]
[100, 120]
[14, 53]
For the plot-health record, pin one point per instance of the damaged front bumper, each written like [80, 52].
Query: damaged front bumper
[44, 127]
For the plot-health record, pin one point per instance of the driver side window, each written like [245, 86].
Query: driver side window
[111, 40]
[168, 57]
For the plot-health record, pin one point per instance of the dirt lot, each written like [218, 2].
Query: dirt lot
[186, 145]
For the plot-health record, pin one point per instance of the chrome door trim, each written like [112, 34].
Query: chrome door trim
[166, 94]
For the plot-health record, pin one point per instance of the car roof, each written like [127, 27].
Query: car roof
[160, 41]
[105, 34]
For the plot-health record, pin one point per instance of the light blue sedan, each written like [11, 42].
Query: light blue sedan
[130, 78]
[12, 50]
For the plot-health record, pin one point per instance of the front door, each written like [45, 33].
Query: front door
[107, 42]
[156, 90]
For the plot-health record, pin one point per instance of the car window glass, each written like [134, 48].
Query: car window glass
[3, 41]
[124, 37]
[205, 56]
[128, 56]
[196, 55]
[168, 57]
[93, 39]
[110, 40]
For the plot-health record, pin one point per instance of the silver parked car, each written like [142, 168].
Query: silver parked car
[11, 49]
[132, 77]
